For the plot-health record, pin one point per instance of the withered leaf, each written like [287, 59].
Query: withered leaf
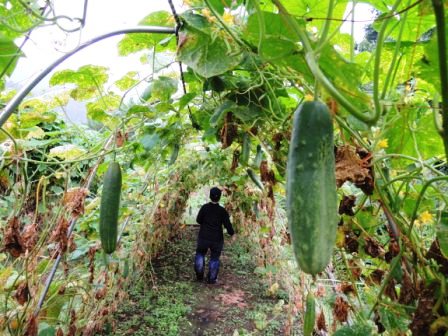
[350, 167]
[340, 310]
[22, 294]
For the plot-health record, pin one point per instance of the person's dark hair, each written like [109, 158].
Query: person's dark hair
[215, 194]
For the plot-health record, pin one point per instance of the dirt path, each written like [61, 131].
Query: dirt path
[171, 302]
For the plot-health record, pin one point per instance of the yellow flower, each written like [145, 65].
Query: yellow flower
[309, 97]
[228, 18]
[383, 143]
[208, 15]
[425, 217]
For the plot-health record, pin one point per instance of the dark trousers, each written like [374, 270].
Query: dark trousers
[201, 250]
[215, 248]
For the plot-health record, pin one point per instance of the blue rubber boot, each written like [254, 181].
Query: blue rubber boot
[213, 269]
[199, 262]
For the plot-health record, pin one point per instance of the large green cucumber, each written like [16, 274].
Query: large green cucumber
[109, 208]
[311, 197]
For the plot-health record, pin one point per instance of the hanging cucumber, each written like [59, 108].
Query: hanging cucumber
[245, 151]
[258, 156]
[311, 197]
[109, 208]
[254, 178]
[174, 154]
[310, 315]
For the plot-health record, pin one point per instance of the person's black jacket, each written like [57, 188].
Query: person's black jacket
[212, 217]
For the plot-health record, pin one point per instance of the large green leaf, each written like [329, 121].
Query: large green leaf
[163, 87]
[16, 20]
[428, 65]
[9, 55]
[67, 152]
[415, 24]
[133, 43]
[274, 27]
[345, 75]
[410, 130]
[88, 80]
[208, 55]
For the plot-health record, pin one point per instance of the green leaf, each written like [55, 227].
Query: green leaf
[163, 87]
[149, 141]
[274, 28]
[413, 133]
[101, 110]
[133, 43]
[88, 80]
[127, 81]
[218, 5]
[16, 19]
[33, 118]
[9, 55]
[394, 320]
[221, 111]
[345, 75]
[354, 330]
[186, 99]
[47, 331]
[208, 55]
[67, 152]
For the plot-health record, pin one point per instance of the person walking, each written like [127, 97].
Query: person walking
[211, 218]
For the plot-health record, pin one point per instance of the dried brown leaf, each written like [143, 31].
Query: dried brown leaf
[372, 247]
[347, 288]
[346, 205]
[235, 160]
[74, 200]
[351, 167]
[228, 131]
[12, 240]
[376, 276]
[22, 294]
[59, 234]
[31, 327]
[423, 315]
[408, 292]
[340, 310]
[30, 236]
[321, 324]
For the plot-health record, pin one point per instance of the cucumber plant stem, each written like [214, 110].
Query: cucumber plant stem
[377, 64]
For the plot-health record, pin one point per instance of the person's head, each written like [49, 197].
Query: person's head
[215, 194]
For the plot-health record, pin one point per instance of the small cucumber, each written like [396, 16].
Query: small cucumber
[258, 157]
[245, 151]
[254, 178]
[109, 208]
[174, 154]
[310, 315]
